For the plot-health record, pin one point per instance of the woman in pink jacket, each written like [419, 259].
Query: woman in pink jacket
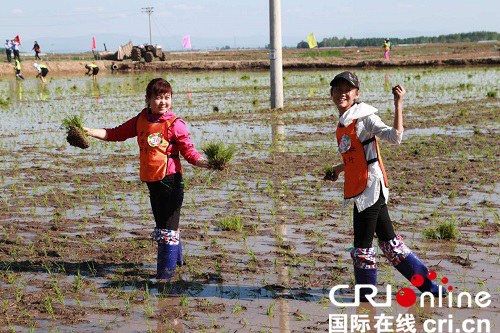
[161, 136]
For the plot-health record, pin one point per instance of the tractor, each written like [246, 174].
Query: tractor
[147, 52]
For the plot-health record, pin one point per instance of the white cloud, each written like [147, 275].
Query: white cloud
[162, 13]
[188, 7]
[295, 10]
[17, 11]
[407, 6]
[88, 9]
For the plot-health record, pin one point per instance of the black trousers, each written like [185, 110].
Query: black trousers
[166, 198]
[374, 219]
[9, 55]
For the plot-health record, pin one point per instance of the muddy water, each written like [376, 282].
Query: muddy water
[75, 253]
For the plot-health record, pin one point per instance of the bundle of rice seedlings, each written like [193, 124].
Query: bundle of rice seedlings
[218, 155]
[231, 223]
[76, 136]
[329, 172]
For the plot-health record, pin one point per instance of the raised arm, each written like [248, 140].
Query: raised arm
[398, 92]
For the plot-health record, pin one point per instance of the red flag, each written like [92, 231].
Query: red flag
[93, 43]
[17, 40]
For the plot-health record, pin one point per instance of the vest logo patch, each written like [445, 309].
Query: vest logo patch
[156, 139]
[345, 144]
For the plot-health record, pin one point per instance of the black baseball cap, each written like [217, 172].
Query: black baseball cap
[348, 76]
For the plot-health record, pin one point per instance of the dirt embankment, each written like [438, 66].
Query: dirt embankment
[470, 54]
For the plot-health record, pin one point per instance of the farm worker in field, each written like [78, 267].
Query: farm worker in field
[161, 136]
[387, 48]
[42, 71]
[366, 184]
[8, 50]
[17, 69]
[94, 68]
[36, 48]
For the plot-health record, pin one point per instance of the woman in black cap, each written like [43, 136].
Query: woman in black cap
[366, 183]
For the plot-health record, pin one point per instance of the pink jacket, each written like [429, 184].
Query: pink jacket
[177, 133]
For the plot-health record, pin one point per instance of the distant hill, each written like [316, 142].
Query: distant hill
[451, 38]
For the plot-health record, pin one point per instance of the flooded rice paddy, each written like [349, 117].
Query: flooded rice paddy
[75, 252]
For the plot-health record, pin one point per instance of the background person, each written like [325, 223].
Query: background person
[8, 50]
[15, 48]
[92, 68]
[17, 69]
[161, 136]
[366, 182]
[387, 48]
[36, 48]
[42, 71]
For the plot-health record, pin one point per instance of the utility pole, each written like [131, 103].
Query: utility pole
[276, 55]
[149, 11]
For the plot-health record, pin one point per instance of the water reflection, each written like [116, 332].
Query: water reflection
[43, 92]
[16, 91]
[387, 85]
[169, 309]
[282, 240]
[277, 132]
[94, 90]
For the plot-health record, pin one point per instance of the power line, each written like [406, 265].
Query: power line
[149, 11]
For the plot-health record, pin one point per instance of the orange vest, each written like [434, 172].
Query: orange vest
[355, 163]
[153, 146]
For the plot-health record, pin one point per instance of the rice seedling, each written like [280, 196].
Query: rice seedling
[75, 134]
[445, 230]
[492, 94]
[270, 309]
[47, 303]
[183, 301]
[218, 154]
[329, 172]
[238, 308]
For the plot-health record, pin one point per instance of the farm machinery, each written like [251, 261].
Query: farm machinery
[136, 53]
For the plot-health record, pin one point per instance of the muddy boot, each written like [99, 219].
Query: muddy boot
[408, 264]
[412, 265]
[365, 269]
[169, 246]
[180, 261]
[365, 276]
[167, 260]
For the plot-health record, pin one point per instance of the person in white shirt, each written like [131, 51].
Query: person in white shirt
[15, 48]
[8, 50]
[366, 184]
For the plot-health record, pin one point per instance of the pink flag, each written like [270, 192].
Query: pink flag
[93, 43]
[187, 42]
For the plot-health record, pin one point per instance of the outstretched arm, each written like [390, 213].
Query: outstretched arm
[98, 133]
[398, 92]
[202, 163]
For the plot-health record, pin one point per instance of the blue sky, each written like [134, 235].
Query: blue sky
[241, 23]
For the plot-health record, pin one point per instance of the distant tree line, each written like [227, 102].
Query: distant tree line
[452, 38]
